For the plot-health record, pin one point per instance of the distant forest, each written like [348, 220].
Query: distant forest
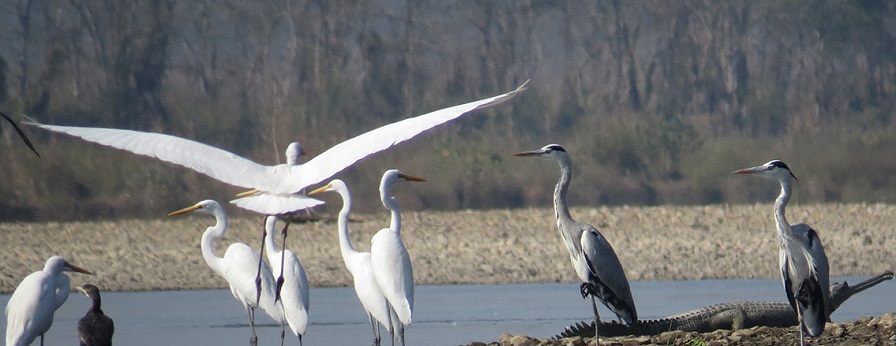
[656, 101]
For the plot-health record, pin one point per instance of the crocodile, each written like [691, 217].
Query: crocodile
[733, 316]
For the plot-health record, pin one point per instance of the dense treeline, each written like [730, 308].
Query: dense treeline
[657, 101]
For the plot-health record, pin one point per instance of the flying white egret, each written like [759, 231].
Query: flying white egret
[391, 261]
[29, 313]
[358, 263]
[237, 266]
[804, 265]
[20, 132]
[95, 328]
[278, 185]
[591, 254]
[294, 294]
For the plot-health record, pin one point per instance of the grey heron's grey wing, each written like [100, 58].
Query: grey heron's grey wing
[606, 270]
[20, 132]
[818, 261]
[787, 279]
[815, 253]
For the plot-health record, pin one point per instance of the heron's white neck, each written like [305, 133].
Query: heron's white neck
[390, 203]
[784, 230]
[208, 241]
[565, 224]
[561, 209]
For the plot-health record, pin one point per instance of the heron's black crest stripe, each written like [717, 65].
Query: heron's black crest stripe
[779, 164]
[556, 147]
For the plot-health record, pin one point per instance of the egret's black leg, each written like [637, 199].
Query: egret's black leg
[282, 262]
[264, 233]
[376, 330]
[283, 333]
[253, 340]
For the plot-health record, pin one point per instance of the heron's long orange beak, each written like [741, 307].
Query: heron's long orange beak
[529, 153]
[751, 170]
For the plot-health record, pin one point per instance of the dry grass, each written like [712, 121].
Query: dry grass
[492, 246]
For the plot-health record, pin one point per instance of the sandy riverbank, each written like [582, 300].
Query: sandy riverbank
[494, 246]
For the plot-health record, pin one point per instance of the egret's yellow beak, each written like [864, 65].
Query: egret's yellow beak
[320, 189]
[247, 193]
[185, 210]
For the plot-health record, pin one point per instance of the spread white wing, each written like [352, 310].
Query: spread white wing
[276, 180]
[347, 153]
[213, 162]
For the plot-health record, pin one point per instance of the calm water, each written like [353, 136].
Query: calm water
[443, 315]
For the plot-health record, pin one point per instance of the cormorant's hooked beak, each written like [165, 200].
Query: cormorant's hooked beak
[320, 189]
[185, 210]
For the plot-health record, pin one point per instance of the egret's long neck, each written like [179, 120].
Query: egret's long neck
[390, 203]
[208, 242]
[63, 286]
[345, 242]
[784, 230]
[270, 245]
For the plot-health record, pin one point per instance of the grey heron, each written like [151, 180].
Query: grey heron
[95, 328]
[30, 310]
[590, 252]
[391, 261]
[358, 264]
[803, 263]
[237, 266]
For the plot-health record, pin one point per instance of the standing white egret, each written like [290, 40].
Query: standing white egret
[30, 310]
[20, 132]
[293, 151]
[391, 261]
[237, 266]
[278, 185]
[804, 265]
[294, 294]
[358, 263]
[591, 254]
[95, 328]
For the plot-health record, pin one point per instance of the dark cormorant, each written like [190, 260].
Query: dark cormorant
[95, 328]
